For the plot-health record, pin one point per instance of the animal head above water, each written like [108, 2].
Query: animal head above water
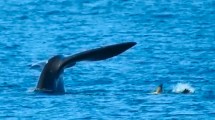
[159, 89]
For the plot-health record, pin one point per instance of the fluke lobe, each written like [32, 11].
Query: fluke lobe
[51, 79]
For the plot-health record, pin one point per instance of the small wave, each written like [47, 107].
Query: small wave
[164, 15]
[180, 87]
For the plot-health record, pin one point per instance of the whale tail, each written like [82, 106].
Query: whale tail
[97, 54]
[89, 55]
[50, 79]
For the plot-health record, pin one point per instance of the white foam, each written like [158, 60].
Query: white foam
[30, 90]
[180, 87]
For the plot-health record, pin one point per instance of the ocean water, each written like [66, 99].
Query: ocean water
[175, 46]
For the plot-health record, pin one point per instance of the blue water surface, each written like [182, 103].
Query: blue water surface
[175, 44]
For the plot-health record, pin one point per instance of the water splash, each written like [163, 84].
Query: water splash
[180, 87]
[38, 65]
[30, 90]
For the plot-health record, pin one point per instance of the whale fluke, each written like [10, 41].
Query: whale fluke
[98, 53]
[51, 80]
